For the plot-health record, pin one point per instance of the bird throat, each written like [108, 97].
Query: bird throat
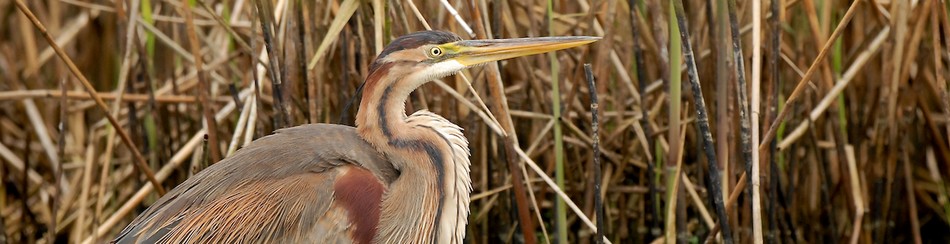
[429, 200]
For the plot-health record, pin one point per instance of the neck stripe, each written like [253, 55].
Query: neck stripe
[435, 156]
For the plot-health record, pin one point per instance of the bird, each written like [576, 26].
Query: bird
[393, 178]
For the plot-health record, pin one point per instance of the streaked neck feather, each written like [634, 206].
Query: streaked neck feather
[431, 196]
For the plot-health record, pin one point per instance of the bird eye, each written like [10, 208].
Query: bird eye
[435, 52]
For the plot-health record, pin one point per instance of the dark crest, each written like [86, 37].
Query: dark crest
[417, 39]
[414, 40]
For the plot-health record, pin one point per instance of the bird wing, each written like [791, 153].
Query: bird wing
[315, 183]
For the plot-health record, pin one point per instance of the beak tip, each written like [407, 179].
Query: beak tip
[589, 39]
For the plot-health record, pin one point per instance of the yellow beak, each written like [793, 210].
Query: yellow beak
[474, 52]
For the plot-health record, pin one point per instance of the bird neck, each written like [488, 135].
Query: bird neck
[429, 200]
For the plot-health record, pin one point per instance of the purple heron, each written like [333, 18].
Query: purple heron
[392, 179]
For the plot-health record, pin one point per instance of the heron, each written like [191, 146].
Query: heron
[393, 178]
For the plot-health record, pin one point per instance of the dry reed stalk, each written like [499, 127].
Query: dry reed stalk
[723, 66]
[234, 35]
[119, 96]
[65, 37]
[702, 120]
[733, 197]
[938, 179]
[39, 127]
[644, 132]
[614, 57]
[938, 61]
[811, 70]
[299, 46]
[18, 165]
[275, 69]
[698, 202]
[510, 139]
[560, 193]
[832, 94]
[598, 198]
[673, 195]
[534, 203]
[911, 200]
[857, 195]
[754, 110]
[347, 8]
[165, 39]
[139, 159]
[819, 31]
[204, 85]
[84, 193]
[773, 177]
[239, 129]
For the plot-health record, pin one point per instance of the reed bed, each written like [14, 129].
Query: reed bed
[782, 121]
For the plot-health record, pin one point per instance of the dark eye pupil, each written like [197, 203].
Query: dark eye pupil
[436, 51]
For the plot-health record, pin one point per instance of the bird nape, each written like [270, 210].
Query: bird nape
[392, 179]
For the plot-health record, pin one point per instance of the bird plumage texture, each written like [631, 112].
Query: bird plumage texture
[274, 199]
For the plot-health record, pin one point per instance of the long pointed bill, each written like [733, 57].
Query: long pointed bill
[474, 52]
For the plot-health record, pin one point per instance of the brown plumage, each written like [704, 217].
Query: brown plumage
[392, 179]
[237, 199]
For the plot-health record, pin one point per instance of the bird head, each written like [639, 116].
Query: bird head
[422, 56]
